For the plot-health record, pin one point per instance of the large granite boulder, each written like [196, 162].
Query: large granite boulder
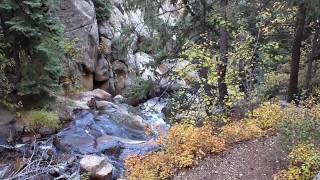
[81, 27]
[97, 167]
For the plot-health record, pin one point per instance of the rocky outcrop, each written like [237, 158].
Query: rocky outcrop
[108, 52]
[81, 27]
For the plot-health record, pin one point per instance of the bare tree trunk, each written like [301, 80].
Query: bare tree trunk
[312, 57]
[222, 67]
[296, 52]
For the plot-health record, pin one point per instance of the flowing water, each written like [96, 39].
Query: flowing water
[115, 131]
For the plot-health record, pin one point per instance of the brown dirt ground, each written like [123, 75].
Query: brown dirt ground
[252, 160]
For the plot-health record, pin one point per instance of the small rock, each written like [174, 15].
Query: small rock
[104, 173]
[26, 139]
[118, 99]
[71, 160]
[4, 170]
[101, 94]
[97, 167]
[91, 163]
[101, 104]
[45, 131]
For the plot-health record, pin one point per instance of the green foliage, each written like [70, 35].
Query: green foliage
[37, 119]
[103, 9]
[70, 49]
[270, 85]
[6, 65]
[304, 163]
[141, 90]
[34, 38]
[300, 125]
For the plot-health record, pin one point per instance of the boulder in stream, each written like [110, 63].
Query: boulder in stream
[97, 167]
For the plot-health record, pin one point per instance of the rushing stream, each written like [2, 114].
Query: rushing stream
[114, 131]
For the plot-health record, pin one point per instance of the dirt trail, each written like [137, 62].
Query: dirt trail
[253, 160]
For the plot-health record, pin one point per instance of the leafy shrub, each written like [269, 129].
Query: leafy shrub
[240, 131]
[300, 125]
[268, 116]
[38, 119]
[185, 145]
[272, 83]
[264, 119]
[141, 90]
[70, 49]
[304, 162]
[103, 9]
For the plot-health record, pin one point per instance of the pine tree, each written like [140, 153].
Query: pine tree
[34, 38]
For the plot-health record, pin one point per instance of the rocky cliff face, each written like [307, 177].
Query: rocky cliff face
[103, 61]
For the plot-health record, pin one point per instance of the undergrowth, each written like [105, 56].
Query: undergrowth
[185, 146]
[40, 118]
[304, 163]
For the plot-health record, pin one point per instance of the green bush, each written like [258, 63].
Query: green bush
[300, 125]
[37, 119]
[103, 9]
[33, 42]
[304, 163]
[141, 90]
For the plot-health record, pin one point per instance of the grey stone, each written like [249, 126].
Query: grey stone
[102, 72]
[79, 19]
[97, 167]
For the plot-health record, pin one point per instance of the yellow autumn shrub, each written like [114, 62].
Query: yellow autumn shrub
[185, 146]
[304, 163]
[268, 116]
[240, 131]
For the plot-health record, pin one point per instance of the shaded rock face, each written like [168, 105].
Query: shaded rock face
[79, 19]
[9, 126]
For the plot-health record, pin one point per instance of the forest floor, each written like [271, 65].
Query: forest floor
[253, 160]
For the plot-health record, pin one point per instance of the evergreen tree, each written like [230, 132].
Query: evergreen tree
[34, 43]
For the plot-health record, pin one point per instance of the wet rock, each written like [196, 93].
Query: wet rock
[97, 167]
[45, 131]
[101, 104]
[127, 119]
[117, 131]
[4, 170]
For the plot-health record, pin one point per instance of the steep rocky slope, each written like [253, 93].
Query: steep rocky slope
[106, 59]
